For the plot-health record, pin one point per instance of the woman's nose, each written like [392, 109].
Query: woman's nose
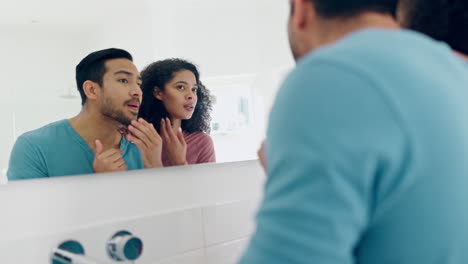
[190, 95]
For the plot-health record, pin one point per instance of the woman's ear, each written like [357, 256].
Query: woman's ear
[157, 93]
[91, 90]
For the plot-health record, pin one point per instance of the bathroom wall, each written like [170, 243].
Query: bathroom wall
[193, 214]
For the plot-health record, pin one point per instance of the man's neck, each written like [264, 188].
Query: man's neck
[462, 55]
[92, 126]
[332, 30]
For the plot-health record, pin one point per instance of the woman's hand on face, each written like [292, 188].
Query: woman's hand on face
[174, 143]
[147, 139]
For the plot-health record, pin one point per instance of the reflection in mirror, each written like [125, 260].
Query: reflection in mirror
[238, 46]
[178, 105]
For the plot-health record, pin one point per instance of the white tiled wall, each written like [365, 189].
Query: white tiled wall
[193, 215]
[227, 253]
[170, 238]
[227, 222]
[193, 257]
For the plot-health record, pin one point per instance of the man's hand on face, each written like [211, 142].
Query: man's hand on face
[147, 139]
[109, 160]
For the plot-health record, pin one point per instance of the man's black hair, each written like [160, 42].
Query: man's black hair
[349, 8]
[92, 67]
[443, 20]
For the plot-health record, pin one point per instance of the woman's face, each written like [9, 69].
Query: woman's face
[180, 95]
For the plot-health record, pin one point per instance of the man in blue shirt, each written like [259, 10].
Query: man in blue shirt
[440, 19]
[109, 85]
[367, 144]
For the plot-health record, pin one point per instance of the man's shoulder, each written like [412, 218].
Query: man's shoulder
[380, 55]
[29, 157]
[46, 133]
[371, 46]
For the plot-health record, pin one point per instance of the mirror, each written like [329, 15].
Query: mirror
[240, 48]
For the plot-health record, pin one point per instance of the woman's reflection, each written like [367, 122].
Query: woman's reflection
[178, 105]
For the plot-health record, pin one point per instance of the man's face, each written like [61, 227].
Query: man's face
[120, 92]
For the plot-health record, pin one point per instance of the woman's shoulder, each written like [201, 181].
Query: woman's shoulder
[198, 137]
[200, 148]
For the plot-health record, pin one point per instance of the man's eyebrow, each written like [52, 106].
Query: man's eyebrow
[127, 73]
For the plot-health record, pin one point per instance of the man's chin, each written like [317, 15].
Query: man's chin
[120, 117]
[129, 119]
[125, 122]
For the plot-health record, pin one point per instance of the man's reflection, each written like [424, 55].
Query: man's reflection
[109, 85]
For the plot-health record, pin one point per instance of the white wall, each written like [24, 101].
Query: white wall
[38, 65]
[224, 37]
[187, 214]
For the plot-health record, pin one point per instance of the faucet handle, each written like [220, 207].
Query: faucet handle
[70, 252]
[124, 246]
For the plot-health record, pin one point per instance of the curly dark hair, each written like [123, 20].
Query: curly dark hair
[443, 20]
[347, 8]
[158, 74]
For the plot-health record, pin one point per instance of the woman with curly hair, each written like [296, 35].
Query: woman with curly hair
[178, 105]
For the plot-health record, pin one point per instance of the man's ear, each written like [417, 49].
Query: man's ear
[157, 93]
[91, 90]
[404, 8]
[301, 13]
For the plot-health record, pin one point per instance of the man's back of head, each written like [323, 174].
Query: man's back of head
[340, 8]
[315, 23]
[443, 20]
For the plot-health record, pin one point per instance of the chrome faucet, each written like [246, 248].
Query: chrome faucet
[124, 246]
[70, 252]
